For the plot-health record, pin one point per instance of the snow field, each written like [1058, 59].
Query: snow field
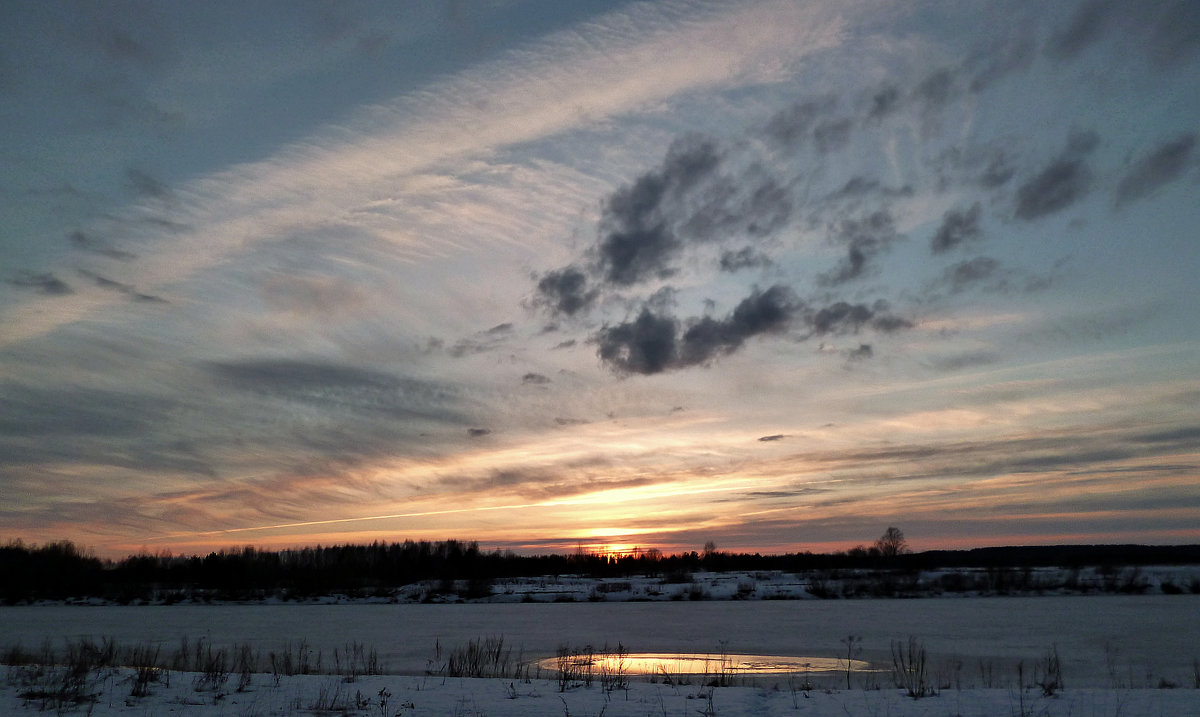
[185, 694]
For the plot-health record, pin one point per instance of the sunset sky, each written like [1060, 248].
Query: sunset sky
[545, 274]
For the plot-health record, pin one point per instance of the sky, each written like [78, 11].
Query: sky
[544, 275]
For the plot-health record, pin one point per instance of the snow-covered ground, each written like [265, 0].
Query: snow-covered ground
[1120, 655]
[109, 693]
[1139, 639]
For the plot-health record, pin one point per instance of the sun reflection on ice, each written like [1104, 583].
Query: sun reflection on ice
[677, 663]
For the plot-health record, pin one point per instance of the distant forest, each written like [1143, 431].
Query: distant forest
[62, 571]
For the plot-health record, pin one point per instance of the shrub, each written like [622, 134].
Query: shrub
[910, 668]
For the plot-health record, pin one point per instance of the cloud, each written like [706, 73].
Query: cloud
[832, 135]
[482, 342]
[863, 352]
[565, 291]
[762, 312]
[774, 437]
[1055, 188]
[648, 224]
[1164, 31]
[1065, 181]
[646, 345]
[314, 295]
[637, 237]
[745, 258]
[45, 283]
[844, 318]
[1011, 53]
[535, 379]
[478, 432]
[961, 361]
[1087, 25]
[652, 343]
[863, 238]
[964, 274]
[794, 125]
[997, 172]
[43, 428]
[957, 227]
[937, 89]
[1162, 165]
[112, 285]
[339, 388]
[146, 185]
[752, 203]
[617, 64]
[96, 246]
[884, 102]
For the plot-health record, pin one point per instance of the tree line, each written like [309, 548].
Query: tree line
[61, 570]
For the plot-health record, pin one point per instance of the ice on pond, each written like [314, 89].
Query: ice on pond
[675, 663]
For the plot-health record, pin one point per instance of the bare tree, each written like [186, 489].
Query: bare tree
[892, 543]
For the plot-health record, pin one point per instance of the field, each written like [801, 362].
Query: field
[1050, 655]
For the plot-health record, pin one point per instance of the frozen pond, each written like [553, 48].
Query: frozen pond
[671, 663]
[1101, 638]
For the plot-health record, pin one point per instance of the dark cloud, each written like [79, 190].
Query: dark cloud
[964, 274]
[105, 283]
[744, 258]
[1055, 188]
[752, 203]
[1175, 32]
[1162, 165]
[863, 352]
[46, 283]
[1166, 31]
[646, 345]
[1011, 53]
[637, 237]
[1087, 25]
[775, 437]
[338, 388]
[119, 287]
[863, 238]
[841, 317]
[762, 312]
[846, 318]
[997, 172]
[957, 227]
[937, 89]
[832, 135]
[647, 224]
[793, 125]
[482, 342]
[146, 185]
[884, 102]
[565, 291]
[536, 379]
[1065, 181]
[478, 432]
[65, 424]
[961, 361]
[856, 187]
[652, 343]
[1081, 143]
[67, 411]
[88, 243]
